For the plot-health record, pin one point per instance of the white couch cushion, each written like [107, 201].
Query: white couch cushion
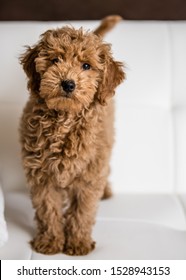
[150, 105]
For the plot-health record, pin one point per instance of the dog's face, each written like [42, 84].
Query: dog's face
[70, 69]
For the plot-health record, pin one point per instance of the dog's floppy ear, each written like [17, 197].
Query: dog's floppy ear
[112, 76]
[28, 62]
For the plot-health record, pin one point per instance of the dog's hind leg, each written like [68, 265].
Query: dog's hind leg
[107, 192]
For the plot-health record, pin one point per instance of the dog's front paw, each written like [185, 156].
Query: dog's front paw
[78, 248]
[46, 244]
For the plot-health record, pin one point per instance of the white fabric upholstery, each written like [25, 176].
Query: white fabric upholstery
[147, 217]
[127, 227]
[3, 228]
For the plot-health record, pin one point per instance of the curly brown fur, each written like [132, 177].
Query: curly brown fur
[67, 135]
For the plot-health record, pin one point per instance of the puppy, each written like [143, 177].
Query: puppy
[67, 133]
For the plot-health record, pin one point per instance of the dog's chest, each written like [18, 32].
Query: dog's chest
[60, 146]
[67, 137]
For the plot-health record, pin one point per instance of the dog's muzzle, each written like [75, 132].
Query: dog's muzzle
[68, 86]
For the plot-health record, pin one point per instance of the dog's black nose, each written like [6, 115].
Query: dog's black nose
[68, 85]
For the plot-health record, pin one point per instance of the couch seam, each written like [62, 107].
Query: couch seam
[178, 196]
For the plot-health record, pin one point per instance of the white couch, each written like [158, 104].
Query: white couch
[146, 218]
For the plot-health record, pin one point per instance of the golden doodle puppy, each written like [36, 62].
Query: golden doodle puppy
[67, 133]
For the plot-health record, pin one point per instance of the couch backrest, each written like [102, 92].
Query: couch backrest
[149, 153]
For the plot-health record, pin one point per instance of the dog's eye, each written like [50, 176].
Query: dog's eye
[86, 66]
[55, 60]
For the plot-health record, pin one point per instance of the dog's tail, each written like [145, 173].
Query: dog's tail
[107, 24]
